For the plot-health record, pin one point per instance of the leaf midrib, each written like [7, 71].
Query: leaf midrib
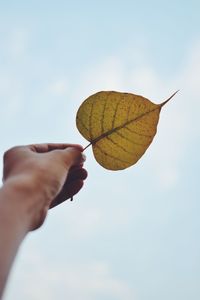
[109, 132]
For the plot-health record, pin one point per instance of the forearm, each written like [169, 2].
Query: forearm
[34, 177]
[14, 225]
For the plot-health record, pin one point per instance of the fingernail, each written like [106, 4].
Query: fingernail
[83, 157]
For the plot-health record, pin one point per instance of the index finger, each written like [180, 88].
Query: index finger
[42, 148]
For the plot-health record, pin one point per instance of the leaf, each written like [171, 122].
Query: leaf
[119, 126]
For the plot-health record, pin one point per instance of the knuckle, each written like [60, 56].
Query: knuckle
[10, 152]
[7, 154]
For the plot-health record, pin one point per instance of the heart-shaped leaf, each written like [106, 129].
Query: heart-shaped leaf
[119, 126]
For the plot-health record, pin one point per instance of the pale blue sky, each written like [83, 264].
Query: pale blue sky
[131, 234]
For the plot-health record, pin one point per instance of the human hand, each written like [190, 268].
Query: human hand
[44, 175]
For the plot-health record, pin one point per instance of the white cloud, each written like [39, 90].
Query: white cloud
[17, 43]
[191, 72]
[82, 281]
[145, 81]
[107, 75]
[59, 87]
[11, 96]
[83, 223]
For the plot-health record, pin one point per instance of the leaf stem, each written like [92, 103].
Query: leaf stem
[87, 146]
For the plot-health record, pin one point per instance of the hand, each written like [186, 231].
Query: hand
[44, 175]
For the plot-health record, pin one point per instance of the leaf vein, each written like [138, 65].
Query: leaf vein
[129, 140]
[118, 145]
[81, 121]
[115, 113]
[140, 134]
[129, 109]
[103, 116]
[107, 154]
[90, 121]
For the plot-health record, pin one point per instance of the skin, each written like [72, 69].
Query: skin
[35, 179]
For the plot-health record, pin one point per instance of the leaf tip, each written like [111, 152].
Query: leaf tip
[162, 104]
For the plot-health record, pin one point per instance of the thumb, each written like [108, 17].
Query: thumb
[72, 156]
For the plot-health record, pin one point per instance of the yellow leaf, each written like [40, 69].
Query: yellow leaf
[119, 126]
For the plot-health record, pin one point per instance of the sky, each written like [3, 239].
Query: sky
[131, 234]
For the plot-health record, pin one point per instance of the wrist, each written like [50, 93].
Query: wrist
[15, 223]
[18, 203]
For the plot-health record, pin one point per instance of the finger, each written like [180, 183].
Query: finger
[67, 193]
[42, 148]
[77, 173]
[71, 156]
